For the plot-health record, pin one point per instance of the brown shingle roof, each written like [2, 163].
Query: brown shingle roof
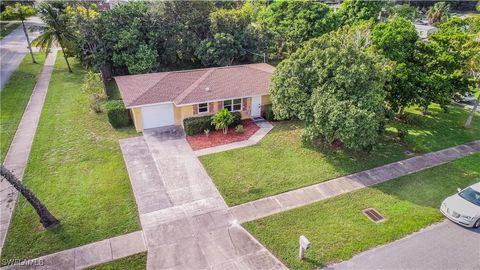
[190, 86]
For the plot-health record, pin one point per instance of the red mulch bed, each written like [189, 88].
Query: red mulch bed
[216, 137]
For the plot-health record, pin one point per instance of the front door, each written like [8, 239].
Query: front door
[256, 105]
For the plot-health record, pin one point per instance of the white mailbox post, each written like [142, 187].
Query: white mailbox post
[304, 245]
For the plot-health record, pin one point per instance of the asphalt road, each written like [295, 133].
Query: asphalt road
[441, 246]
[13, 48]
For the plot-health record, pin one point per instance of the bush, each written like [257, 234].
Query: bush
[222, 120]
[239, 129]
[268, 113]
[96, 103]
[197, 125]
[117, 114]
[237, 119]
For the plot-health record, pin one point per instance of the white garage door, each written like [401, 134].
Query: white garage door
[158, 116]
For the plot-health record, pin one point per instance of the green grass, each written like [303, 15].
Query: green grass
[76, 168]
[134, 262]
[337, 228]
[7, 27]
[280, 162]
[14, 98]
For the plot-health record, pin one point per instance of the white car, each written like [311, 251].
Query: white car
[464, 207]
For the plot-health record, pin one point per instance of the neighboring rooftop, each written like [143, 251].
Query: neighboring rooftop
[195, 86]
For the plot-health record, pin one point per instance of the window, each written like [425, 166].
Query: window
[203, 107]
[233, 105]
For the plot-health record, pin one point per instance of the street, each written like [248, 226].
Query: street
[13, 48]
[441, 246]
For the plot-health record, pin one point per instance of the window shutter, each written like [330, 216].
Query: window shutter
[245, 104]
[210, 107]
[220, 105]
[195, 109]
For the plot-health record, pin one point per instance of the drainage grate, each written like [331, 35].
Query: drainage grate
[373, 215]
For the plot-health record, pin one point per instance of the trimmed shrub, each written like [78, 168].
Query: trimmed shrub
[237, 119]
[268, 113]
[239, 129]
[117, 114]
[197, 125]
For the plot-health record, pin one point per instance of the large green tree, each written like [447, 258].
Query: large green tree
[354, 11]
[397, 39]
[334, 83]
[20, 12]
[442, 61]
[292, 22]
[220, 50]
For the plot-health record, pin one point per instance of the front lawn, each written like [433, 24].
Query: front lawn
[14, 98]
[76, 168]
[337, 228]
[280, 162]
[134, 262]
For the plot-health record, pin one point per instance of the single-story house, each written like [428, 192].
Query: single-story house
[166, 98]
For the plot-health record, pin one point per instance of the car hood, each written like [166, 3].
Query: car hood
[462, 206]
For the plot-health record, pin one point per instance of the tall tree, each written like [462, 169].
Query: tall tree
[20, 12]
[438, 13]
[442, 62]
[353, 11]
[46, 218]
[293, 22]
[397, 40]
[57, 28]
[334, 83]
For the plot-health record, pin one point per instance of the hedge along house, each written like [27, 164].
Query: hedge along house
[167, 98]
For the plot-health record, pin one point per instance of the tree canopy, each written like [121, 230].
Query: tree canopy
[334, 83]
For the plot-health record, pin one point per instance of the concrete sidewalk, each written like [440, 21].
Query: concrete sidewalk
[328, 189]
[88, 255]
[17, 156]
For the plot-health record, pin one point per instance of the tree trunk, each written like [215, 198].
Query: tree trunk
[28, 42]
[472, 113]
[46, 218]
[425, 110]
[402, 111]
[65, 56]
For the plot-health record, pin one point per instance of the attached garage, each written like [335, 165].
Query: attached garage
[158, 115]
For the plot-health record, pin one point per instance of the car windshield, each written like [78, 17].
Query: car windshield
[470, 195]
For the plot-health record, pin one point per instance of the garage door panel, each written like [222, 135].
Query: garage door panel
[158, 116]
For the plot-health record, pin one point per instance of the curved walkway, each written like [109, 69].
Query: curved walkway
[17, 156]
[328, 189]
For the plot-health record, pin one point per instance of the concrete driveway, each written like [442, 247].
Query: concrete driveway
[441, 246]
[13, 48]
[185, 220]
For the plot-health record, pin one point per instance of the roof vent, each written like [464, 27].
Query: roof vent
[207, 89]
[373, 215]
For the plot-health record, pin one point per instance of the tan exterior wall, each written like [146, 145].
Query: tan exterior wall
[183, 112]
[137, 118]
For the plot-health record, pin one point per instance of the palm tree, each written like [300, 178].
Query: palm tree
[56, 30]
[439, 12]
[46, 218]
[20, 12]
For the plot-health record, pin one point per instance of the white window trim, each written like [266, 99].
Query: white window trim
[208, 108]
[232, 110]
